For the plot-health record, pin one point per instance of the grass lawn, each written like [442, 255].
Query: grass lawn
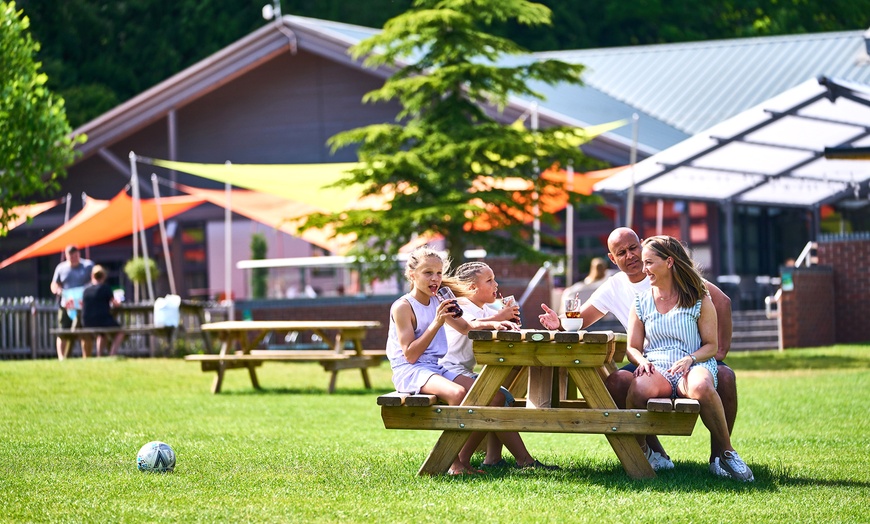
[291, 453]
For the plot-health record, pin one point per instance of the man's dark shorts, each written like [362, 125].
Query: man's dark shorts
[63, 319]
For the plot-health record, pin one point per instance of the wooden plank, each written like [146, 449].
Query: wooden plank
[539, 354]
[392, 399]
[481, 334]
[687, 405]
[421, 400]
[444, 453]
[598, 337]
[568, 337]
[541, 420]
[509, 336]
[659, 405]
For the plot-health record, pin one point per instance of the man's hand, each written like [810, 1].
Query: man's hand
[549, 318]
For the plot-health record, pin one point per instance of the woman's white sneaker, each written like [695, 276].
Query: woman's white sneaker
[732, 464]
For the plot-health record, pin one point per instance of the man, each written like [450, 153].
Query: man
[616, 296]
[71, 273]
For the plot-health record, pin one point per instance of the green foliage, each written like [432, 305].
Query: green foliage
[34, 144]
[135, 270]
[259, 275]
[293, 453]
[443, 160]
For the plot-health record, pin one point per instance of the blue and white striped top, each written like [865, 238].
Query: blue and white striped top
[670, 336]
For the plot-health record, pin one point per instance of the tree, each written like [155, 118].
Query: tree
[442, 162]
[35, 146]
[259, 275]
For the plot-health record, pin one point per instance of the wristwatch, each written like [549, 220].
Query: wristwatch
[694, 359]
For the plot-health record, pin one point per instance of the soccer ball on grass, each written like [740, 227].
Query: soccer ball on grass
[157, 457]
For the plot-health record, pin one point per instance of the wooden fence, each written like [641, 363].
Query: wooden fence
[25, 324]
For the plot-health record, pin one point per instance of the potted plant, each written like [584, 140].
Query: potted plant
[135, 269]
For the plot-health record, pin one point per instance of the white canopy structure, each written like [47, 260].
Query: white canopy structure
[770, 155]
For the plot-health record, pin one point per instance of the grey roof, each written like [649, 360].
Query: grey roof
[772, 154]
[692, 86]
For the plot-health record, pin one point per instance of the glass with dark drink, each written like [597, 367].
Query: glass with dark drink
[445, 294]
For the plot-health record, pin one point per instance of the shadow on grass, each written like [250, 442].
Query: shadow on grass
[313, 390]
[685, 478]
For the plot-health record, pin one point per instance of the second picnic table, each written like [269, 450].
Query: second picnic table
[588, 358]
[246, 335]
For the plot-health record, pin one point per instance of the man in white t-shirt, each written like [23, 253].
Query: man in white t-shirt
[616, 295]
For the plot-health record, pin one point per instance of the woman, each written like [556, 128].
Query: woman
[678, 322]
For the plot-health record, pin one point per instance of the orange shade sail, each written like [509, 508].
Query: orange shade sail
[25, 212]
[102, 221]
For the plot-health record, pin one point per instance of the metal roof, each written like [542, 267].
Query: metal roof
[692, 86]
[772, 154]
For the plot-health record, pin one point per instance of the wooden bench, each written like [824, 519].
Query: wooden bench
[656, 405]
[68, 336]
[330, 360]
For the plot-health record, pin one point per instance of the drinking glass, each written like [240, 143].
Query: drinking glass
[444, 294]
[511, 301]
[572, 307]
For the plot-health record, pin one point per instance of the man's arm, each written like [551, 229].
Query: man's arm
[550, 319]
[722, 305]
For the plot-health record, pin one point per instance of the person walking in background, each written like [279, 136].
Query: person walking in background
[616, 295]
[74, 272]
[97, 303]
[479, 279]
[672, 339]
[417, 339]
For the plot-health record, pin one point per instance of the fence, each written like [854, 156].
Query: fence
[25, 324]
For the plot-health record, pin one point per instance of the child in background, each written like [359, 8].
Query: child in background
[417, 339]
[480, 281]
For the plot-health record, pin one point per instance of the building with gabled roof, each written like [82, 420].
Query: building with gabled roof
[277, 95]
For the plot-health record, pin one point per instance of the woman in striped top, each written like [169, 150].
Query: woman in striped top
[672, 338]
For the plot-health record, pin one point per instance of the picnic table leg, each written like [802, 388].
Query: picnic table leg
[625, 446]
[450, 442]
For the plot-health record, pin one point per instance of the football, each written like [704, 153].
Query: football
[157, 457]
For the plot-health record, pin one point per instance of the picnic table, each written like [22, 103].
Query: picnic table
[588, 357]
[246, 336]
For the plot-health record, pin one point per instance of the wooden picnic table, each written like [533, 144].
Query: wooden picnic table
[246, 335]
[588, 358]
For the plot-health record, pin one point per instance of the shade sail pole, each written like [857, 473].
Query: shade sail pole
[536, 221]
[138, 226]
[133, 183]
[629, 206]
[163, 239]
[228, 247]
[569, 230]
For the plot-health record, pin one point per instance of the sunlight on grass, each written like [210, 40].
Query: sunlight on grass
[291, 452]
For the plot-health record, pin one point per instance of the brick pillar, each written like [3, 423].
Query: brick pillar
[807, 313]
[849, 256]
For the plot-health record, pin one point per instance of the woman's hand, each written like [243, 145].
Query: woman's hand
[681, 366]
[549, 318]
[644, 368]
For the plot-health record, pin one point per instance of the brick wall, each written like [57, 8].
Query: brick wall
[849, 256]
[511, 276]
[807, 313]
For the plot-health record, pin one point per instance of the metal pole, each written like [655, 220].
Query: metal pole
[163, 238]
[629, 212]
[134, 182]
[228, 248]
[536, 221]
[569, 230]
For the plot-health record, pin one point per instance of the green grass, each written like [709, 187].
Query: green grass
[69, 433]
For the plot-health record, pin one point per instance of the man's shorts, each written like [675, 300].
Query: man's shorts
[63, 319]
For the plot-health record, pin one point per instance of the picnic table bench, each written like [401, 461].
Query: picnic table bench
[68, 336]
[246, 335]
[588, 357]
